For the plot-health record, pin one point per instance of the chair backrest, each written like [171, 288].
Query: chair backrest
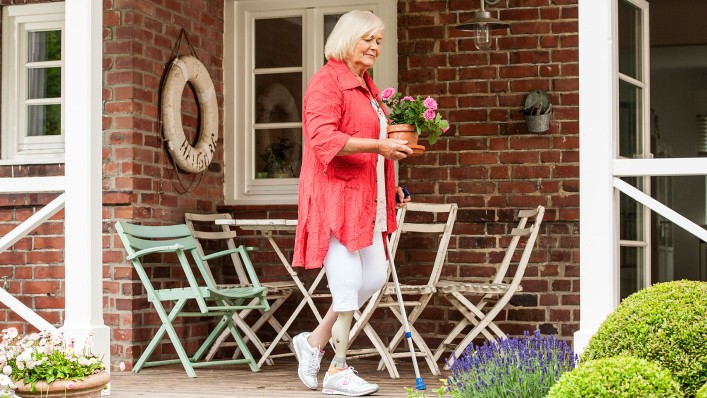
[203, 227]
[140, 240]
[521, 231]
[443, 217]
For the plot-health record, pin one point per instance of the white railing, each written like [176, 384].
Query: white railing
[38, 184]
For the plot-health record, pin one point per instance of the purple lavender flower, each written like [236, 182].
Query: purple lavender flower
[523, 367]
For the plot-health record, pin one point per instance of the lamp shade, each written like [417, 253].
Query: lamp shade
[480, 19]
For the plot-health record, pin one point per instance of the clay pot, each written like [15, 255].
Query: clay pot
[90, 387]
[406, 132]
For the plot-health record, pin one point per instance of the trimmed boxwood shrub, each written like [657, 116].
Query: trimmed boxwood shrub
[702, 392]
[665, 323]
[617, 377]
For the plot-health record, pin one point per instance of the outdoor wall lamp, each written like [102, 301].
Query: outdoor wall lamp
[481, 25]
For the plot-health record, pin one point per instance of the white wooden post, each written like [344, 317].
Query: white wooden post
[598, 244]
[84, 138]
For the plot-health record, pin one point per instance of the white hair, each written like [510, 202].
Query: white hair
[350, 28]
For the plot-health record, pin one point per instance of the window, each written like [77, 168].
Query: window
[633, 142]
[32, 84]
[277, 46]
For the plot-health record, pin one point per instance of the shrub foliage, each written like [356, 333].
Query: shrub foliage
[617, 377]
[702, 392]
[665, 323]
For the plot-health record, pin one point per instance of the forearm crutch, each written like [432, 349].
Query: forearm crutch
[419, 384]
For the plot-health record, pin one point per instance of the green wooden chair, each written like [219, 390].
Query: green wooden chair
[201, 289]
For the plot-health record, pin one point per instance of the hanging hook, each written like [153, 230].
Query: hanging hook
[4, 283]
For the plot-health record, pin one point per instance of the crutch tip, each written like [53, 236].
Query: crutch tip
[419, 384]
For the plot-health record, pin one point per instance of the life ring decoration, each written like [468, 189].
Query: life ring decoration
[192, 159]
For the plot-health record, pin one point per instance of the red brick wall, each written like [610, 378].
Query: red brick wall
[487, 162]
[139, 179]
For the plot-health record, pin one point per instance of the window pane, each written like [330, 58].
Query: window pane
[631, 272]
[278, 42]
[278, 98]
[43, 120]
[631, 227]
[676, 253]
[630, 41]
[630, 111]
[329, 23]
[44, 83]
[278, 153]
[44, 46]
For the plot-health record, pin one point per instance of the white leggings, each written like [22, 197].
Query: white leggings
[354, 276]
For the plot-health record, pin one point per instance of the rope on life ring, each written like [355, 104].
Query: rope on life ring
[192, 159]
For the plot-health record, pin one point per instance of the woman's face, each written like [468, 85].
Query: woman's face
[367, 50]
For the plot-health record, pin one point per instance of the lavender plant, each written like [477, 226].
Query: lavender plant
[512, 368]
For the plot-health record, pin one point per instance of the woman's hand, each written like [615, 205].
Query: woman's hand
[402, 199]
[393, 149]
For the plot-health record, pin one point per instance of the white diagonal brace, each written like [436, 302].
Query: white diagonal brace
[32, 222]
[661, 209]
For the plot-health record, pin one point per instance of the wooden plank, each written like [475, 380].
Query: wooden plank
[279, 380]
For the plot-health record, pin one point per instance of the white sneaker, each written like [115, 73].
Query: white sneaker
[346, 382]
[309, 360]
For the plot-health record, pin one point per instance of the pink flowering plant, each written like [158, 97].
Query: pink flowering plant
[421, 113]
[44, 356]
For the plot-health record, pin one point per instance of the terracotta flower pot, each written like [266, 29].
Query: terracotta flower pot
[89, 387]
[406, 132]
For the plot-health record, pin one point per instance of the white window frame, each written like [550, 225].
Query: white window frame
[17, 21]
[240, 186]
[642, 245]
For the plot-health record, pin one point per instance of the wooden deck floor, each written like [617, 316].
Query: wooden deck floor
[277, 381]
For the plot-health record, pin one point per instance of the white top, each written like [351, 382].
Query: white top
[381, 224]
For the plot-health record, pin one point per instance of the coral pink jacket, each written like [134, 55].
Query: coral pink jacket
[337, 194]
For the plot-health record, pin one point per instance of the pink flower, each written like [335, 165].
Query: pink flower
[70, 385]
[430, 103]
[408, 98]
[388, 93]
[429, 114]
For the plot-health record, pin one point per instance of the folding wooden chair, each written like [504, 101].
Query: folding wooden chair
[496, 293]
[211, 300]
[423, 220]
[203, 227]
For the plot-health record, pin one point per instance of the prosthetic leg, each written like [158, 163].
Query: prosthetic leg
[340, 338]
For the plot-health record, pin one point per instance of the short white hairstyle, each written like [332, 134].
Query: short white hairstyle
[350, 28]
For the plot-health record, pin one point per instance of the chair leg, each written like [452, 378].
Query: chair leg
[169, 329]
[241, 344]
[416, 338]
[283, 331]
[265, 317]
[209, 342]
[450, 337]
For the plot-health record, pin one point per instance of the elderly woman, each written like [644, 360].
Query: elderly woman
[346, 194]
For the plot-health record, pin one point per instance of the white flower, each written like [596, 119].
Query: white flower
[5, 381]
[10, 333]
[7, 370]
[122, 366]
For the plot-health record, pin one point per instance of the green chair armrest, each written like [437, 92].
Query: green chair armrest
[156, 249]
